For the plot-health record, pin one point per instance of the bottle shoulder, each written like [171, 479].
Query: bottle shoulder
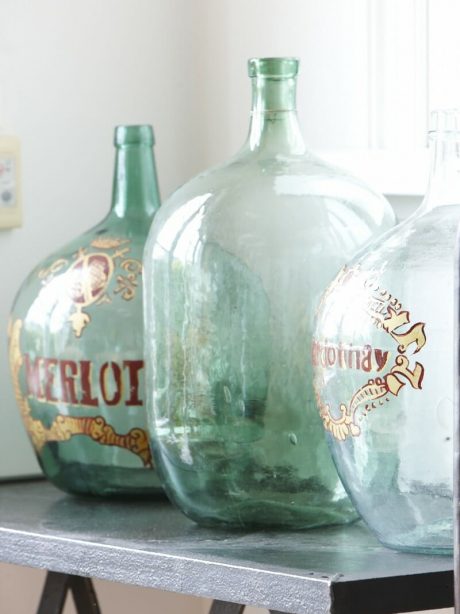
[407, 273]
[107, 234]
[104, 248]
[251, 184]
[251, 168]
[425, 241]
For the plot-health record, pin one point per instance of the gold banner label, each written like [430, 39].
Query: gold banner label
[63, 428]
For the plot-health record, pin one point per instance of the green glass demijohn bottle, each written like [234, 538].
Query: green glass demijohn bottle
[235, 263]
[76, 342]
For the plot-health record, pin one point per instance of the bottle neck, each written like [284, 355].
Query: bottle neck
[135, 187]
[274, 124]
[444, 183]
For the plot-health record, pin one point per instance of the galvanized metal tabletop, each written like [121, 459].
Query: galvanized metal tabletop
[342, 570]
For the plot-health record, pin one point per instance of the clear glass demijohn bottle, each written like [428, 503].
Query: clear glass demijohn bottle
[76, 342]
[383, 357]
[235, 263]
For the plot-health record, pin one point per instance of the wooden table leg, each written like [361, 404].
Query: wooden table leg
[56, 588]
[84, 595]
[54, 593]
[225, 607]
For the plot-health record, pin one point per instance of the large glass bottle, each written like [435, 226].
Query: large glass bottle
[234, 265]
[383, 356]
[76, 342]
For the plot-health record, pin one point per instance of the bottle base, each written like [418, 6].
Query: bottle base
[427, 539]
[268, 515]
[436, 550]
[103, 481]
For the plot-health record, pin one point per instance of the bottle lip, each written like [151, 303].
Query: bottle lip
[134, 135]
[273, 68]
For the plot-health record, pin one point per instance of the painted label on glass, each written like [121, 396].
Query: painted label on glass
[67, 393]
[390, 369]
[88, 277]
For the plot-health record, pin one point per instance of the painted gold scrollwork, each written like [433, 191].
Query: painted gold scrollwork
[389, 317]
[127, 284]
[53, 269]
[108, 242]
[416, 334]
[88, 278]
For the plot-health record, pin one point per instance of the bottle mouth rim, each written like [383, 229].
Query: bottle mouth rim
[139, 134]
[273, 67]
